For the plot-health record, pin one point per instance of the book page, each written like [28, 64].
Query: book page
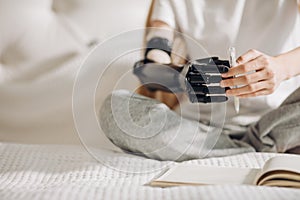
[278, 176]
[282, 183]
[206, 175]
[280, 167]
[286, 163]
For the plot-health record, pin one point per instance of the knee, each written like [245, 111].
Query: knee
[140, 125]
[127, 118]
[111, 107]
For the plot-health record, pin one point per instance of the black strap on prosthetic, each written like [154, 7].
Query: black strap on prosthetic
[159, 43]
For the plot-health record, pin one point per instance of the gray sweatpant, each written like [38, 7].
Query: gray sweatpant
[146, 127]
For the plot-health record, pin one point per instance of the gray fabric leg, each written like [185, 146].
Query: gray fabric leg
[144, 126]
[279, 130]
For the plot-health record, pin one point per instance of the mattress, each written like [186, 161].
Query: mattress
[70, 172]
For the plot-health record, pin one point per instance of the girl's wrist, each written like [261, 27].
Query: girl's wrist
[284, 65]
[290, 63]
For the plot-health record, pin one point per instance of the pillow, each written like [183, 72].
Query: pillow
[31, 33]
[101, 19]
[42, 43]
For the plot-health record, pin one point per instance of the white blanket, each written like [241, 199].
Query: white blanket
[69, 172]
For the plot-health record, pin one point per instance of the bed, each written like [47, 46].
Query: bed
[69, 172]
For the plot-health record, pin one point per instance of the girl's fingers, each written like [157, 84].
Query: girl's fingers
[255, 94]
[252, 88]
[253, 65]
[249, 55]
[247, 79]
[255, 72]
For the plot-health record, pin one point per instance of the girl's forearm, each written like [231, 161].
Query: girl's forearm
[159, 24]
[290, 62]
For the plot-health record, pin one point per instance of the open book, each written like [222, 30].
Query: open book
[277, 171]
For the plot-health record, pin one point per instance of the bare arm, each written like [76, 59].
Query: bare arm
[159, 24]
[161, 57]
[164, 30]
[291, 61]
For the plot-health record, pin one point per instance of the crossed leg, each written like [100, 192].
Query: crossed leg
[147, 127]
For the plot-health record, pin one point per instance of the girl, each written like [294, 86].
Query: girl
[269, 118]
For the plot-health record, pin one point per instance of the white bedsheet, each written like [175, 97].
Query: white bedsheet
[69, 172]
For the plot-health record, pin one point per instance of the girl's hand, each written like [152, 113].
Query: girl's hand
[258, 74]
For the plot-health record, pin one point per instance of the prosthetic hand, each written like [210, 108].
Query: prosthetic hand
[199, 79]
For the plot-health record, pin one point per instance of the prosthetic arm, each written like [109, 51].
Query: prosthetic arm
[199, 79]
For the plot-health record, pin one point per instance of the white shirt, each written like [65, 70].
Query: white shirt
[270, 26]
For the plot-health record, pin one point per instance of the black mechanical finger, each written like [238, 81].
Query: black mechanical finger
[203, 89]
[198, 98]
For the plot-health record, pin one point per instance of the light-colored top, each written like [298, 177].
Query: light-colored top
[270, 26]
